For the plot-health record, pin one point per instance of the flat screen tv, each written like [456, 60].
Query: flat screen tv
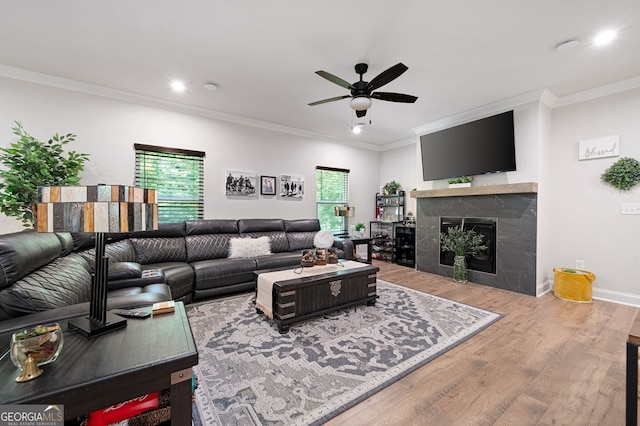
[478, 147]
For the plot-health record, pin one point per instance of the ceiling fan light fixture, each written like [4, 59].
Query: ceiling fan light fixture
[357, 128]
[360, 103]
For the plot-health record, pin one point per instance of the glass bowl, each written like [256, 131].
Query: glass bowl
[42, 344]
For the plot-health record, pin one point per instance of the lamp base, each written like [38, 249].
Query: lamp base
[91, 328]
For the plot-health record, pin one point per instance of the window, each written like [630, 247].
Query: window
[332, 190]
[178, 177]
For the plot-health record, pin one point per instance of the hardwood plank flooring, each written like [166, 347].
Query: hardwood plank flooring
[546, 362]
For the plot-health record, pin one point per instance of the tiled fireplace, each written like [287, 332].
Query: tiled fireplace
[513, 208]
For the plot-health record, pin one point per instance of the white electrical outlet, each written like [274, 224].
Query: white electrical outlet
[579, 264]
[630, 208]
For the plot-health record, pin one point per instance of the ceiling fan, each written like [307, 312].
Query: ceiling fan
[362, 92]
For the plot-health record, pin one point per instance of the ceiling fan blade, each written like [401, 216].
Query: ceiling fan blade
[386, 76]
[361, 114]
[337, 80]
[324, 101]
[394, 97]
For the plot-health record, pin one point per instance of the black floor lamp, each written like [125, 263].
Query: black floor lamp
[97, 209]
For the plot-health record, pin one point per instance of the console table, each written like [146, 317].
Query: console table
[147, 355]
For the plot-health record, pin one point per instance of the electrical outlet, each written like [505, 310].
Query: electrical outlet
[579, 264]
[630, 208]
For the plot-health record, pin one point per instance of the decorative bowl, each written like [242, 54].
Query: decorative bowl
[42, 344]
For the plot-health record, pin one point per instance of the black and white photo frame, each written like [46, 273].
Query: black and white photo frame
[241, 184]
[291, 186]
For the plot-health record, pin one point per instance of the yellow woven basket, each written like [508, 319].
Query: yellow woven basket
[573, 284]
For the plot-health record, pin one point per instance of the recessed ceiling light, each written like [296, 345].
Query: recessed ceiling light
[177, 86]
[211, 86]
[604, 37]
[567, 45]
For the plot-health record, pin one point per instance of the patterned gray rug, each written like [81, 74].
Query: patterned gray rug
[249, 374]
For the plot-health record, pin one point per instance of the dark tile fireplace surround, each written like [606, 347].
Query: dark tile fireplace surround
[513, 208]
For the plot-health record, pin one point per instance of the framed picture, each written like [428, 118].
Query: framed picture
[291, 186]
[268, 185]
[241, 184]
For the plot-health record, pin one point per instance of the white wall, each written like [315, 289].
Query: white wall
[578, 217]
[107, 130]
[586, 222]
[399, 164]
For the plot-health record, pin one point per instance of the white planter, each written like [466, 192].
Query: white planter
[460, 185]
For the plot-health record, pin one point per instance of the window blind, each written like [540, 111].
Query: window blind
[178, 177]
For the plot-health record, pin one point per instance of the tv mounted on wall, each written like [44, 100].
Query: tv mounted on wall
[478, 147]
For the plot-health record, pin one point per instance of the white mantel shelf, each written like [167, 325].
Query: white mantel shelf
[512, 188]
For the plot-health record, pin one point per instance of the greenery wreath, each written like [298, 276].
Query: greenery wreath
[624, 174]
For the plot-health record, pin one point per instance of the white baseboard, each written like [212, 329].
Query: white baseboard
[616, 297]
[598, 294]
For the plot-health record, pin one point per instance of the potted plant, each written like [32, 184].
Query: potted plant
[29, 163]
[624, 174]
[460, 182]
[461, 242]
[392, 187]
[359, 229]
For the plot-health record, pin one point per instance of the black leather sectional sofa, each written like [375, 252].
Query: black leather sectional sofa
[49, 275]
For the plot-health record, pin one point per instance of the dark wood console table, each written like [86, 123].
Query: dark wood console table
[147, 355]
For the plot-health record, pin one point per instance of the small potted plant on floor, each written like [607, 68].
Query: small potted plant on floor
[461, 242]
[460, 182]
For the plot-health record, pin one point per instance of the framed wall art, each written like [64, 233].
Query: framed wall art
[241, 184]
[291, 186]
[268, 185]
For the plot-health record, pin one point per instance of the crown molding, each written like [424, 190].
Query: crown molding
[105, 92]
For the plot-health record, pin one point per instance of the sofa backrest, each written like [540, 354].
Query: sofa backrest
[300, 233]
[272, 228]
[209, 239]
[64, 281]
[23, 252]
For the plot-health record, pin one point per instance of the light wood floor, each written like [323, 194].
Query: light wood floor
[546, 362]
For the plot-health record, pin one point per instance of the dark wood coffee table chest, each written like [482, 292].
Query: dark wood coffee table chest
[298, 299]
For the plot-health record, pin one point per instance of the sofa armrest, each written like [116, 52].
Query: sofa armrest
[346, 246]
[151, 276]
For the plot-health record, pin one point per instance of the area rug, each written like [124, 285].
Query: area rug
[249, 374]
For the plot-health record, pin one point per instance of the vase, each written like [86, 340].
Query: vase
[460, 269]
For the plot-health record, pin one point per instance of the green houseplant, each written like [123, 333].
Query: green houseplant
[624, 174]
[359, 228]
[460, 179]
[461, 242]
[29, 163]
[392, 187]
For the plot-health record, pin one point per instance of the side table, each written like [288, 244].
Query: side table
[147, 355]
[358, 241]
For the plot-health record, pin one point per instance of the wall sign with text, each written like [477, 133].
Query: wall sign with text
[607, 146]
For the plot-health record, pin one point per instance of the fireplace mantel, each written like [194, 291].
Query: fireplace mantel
[512, 188]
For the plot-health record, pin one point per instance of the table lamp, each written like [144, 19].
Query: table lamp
[98, 209]
[344, 211]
